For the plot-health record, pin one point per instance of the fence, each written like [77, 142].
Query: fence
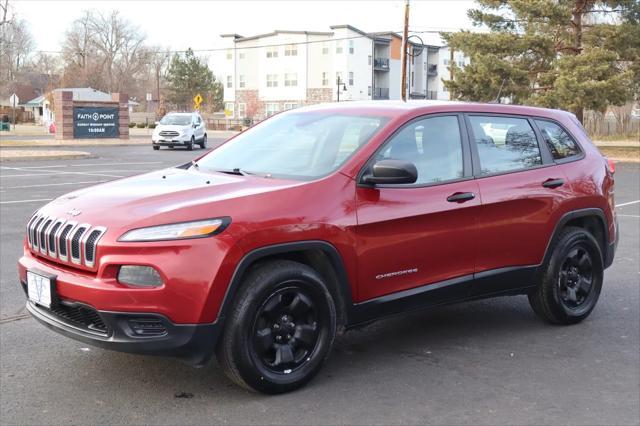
[617, 121]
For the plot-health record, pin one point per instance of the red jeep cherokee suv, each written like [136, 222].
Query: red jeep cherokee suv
[322, 219]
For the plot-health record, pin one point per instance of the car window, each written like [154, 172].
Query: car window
[505, 144]
[176, 119]
[559, 142]
[433, 145]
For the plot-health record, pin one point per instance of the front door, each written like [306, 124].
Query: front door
[410, 236]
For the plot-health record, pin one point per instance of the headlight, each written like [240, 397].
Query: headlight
[178, 231]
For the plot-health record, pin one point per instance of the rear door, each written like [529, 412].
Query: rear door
[414, 235]
[521, 190]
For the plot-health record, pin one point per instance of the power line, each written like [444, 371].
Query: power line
[296, 43]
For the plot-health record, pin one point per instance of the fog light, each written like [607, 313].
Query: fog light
[142, 276]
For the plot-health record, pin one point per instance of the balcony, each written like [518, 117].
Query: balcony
[381, 64]
[432, 70]
[381, 93]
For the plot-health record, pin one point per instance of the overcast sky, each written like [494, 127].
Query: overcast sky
[198, 24]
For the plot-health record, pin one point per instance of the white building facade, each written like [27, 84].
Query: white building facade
[268, 73]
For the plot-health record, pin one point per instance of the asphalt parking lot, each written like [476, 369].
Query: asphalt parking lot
[485, 362]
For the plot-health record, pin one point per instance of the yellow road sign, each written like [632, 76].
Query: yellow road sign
[197, 99]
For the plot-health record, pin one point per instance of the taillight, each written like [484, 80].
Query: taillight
[611, 166]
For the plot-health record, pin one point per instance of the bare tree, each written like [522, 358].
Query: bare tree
[16, 44]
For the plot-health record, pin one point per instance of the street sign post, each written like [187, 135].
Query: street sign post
[14, 100]
[197, 100]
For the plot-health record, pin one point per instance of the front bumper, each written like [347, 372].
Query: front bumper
[140, 333]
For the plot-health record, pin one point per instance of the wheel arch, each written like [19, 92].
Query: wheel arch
[593, 220]
[320, 255]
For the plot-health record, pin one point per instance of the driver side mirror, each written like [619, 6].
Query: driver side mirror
[391, 172]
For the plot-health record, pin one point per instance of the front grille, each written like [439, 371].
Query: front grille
[64, 241]
[169, 133]
[43, 235]
[80, 316]
[75, 243]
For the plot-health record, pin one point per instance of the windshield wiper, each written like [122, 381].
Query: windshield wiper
[236, 171]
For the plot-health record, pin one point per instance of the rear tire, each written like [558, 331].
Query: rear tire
[572, 279]
[280, 329]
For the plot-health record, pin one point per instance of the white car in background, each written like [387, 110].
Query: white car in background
[184, 129]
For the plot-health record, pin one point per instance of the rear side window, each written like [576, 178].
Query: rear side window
[505, 144]
[558, 140]
[433, 145]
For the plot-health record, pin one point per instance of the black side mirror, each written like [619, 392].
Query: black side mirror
[391, 172]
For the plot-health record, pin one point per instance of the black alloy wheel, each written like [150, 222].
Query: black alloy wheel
[285, 330]
[576, 278]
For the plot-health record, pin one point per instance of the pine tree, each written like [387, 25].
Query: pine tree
[188, 76]
[568, 54]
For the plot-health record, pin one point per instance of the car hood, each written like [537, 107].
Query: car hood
[164, 196]
[162, 127]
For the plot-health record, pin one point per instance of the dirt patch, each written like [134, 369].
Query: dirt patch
[620, 153]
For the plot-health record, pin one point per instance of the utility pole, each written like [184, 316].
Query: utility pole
[451, 64]
[404, 50]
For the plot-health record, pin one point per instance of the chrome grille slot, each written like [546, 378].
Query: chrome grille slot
[42, 237]
[51, 237]
[63, 247]
[90, 245]
[34, 232]
[30, 230]
[169, 133]
[78, 233]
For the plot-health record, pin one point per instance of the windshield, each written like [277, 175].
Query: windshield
[302, 145]
[176, 120]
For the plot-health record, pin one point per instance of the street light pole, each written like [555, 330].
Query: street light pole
[344, 87]
[404, 50]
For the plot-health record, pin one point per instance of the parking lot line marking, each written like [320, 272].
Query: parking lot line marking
[93, 173]
[629, 203]
[34, 168]
[53, 184]
[117, 164]
[25, 201]
[627, 215]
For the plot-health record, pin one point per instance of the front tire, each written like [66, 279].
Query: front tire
[156, 147]
[203, 143]
[191, 143]
[280, 330]
[572, 279]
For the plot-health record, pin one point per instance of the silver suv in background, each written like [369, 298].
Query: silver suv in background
[184, 129]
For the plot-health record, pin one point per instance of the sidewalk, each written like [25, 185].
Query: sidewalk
[26, 154]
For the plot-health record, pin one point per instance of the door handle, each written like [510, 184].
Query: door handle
[461, 197]
[553, 183]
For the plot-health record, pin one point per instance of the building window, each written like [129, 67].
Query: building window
[242, 110]
[271, 108]
[291, 80]
[229, 54]
[272, 80]
[446, 61]
[291, 50]
[325, 48]
[229, 109]
[339, 79]
[290, 105]
[369, 90]
[241, 82]
[338, 47]
[369, 60]
[325, 78]
[272, 52]
[241, 55]
[350, 78]
[229, 82]
[351, 47]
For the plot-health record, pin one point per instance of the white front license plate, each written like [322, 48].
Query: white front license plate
[39, 289]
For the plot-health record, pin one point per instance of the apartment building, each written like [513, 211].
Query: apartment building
[268, 73]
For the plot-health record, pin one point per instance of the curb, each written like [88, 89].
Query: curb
[16, 155]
